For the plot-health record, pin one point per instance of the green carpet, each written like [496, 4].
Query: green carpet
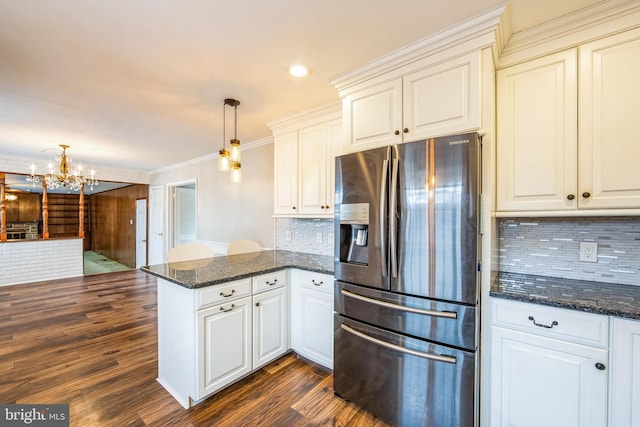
[95, 263]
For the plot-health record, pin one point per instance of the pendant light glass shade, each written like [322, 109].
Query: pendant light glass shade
[234, 146]
[223, 160]
[236, 172]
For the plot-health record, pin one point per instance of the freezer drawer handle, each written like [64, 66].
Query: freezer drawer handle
[433, 313]
[430, 356]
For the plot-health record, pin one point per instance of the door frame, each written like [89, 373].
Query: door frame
[170, 210]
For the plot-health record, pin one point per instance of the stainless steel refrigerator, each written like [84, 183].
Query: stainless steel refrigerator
[407, 272]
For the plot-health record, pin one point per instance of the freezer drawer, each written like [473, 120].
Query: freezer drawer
[404, 381]
[452, 324]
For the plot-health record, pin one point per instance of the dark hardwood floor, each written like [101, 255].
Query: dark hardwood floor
[91, 342]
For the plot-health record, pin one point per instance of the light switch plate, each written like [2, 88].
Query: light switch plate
[318, 237]
[589, 251]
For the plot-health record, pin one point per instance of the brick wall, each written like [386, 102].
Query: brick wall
[33, 261]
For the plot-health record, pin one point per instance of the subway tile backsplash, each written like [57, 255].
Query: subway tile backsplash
[551, 247]
[312, 236]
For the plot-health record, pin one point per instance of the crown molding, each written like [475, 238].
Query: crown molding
[489, 29]
[309, 117]
[568, 31]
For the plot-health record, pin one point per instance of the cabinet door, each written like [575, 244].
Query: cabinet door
[270, 326]
[538, 381]
[625, 373]
[312, 170]
[286, 173]
[442, 99]
[372, 117]
[316, 337]
[334, 148]
[224, 345]
[608, 148]
[537, 135]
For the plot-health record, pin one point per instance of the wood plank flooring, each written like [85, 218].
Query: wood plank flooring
[91, 342]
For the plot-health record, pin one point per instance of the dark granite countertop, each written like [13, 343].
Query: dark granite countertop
[213, 271]
[593, 297]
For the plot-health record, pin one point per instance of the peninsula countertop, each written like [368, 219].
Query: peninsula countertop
[592, 297]
[212, 271]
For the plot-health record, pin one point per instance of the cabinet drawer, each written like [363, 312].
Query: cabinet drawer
[269, 281]
[224, 292]
[570, 325]
[316, 281]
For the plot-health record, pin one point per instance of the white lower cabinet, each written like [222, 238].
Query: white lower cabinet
[312, 316]
[270, 326]
[210, 337]
[625, 373]
[224, 350]
[542, 373]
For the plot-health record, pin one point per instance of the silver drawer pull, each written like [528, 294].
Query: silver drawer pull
[271, 283]
[227, 310]
[433, 313]
[554, 323]
[222, 294]
[430, 356]
[317, 284]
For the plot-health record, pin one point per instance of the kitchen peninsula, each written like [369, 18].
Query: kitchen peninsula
[219, 319]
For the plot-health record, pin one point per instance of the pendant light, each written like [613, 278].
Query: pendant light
[230, 159]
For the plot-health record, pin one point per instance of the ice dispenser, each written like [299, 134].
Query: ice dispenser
[354, 233]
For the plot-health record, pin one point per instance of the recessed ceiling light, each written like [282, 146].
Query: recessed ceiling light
[298, 70]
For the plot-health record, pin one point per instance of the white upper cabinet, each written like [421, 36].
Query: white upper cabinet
[435, 100]
[443, 99]
[537, 134]
[285, 154]
[608, 115]
[373, 116]
[304, 151]
[566, 126]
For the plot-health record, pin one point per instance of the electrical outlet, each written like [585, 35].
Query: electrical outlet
[589, 251]
[288, 235]
[318, 237]
[330, 238]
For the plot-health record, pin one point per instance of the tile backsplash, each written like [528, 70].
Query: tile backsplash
[551, 247]
[312, 236]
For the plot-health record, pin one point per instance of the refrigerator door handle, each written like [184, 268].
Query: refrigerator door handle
[432, 313]
[393, 223]
[435, 357]
[383, 217]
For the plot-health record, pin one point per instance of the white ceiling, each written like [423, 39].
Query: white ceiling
[140, 84]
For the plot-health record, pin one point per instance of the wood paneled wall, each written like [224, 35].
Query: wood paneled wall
[112, 218]
[26, 208]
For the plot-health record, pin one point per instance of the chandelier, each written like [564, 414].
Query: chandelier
[229, 160]
[74, 180]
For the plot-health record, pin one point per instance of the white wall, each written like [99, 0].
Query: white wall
[227, 211]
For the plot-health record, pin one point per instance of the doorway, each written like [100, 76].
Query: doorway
[141, 232]
[156, 233]
[182, 213]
